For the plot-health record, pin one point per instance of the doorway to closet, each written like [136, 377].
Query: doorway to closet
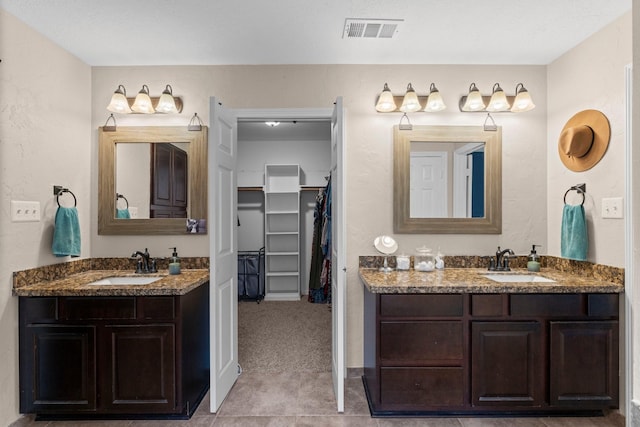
[283, 170]
[223, 202]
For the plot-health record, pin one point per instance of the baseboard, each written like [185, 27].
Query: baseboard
[355, 372]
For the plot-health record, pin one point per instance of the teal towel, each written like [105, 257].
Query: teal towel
[123, 213]
[574, 242]
[66, 233]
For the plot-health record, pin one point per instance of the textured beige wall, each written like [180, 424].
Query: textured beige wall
[590, 76]
[368, 147]
[45, 139]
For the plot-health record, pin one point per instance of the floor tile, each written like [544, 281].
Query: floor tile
[418, 422]
[316, 396]
[255, 422]
[336, 421]
[355, 400]
[263, 394]
[579, 422]
[501, 422]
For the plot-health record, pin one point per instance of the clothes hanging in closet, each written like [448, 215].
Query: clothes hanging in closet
[320, 274]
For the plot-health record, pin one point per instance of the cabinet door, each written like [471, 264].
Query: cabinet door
[506, 364]
[584, 364]
[140, 374]
[57, 369]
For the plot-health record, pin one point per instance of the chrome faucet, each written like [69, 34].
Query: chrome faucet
[501, 262]
[145, 263]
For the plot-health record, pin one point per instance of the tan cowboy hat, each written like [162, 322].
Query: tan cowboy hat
[584, 140]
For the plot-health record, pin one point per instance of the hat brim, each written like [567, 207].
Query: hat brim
[599, 123]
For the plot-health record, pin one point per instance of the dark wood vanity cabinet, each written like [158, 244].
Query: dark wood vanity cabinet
[89, 357]
[490, 353]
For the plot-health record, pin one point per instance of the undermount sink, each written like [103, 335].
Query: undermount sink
[515, 277]
[126, 280]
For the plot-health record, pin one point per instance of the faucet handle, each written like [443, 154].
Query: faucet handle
[505, 263]
[139, 269]
[153, 267]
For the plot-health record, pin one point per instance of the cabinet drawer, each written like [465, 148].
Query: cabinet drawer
[420, 342]
[603, 305]
[546, 305]
[422, 386]
[421, 305]
[83, 308]
[39, 309]
[162, 307]
[487, 305]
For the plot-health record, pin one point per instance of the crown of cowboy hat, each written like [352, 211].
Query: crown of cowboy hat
[584, 140]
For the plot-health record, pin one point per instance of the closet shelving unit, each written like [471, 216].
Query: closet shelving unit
[282, 232]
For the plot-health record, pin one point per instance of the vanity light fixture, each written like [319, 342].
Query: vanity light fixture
[523, 101]
[498, 100]
[410, 103]
[473, 101]
[119, 103]
[166, 103]
[386, 103]
[434, 101]
[143, 104]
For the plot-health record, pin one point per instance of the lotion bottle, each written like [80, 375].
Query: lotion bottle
[533, 261]
[174, 264]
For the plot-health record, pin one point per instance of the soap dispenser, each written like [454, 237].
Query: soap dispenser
[174, 264]
[533, 261]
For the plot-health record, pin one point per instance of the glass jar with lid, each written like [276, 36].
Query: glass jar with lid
[424, 259]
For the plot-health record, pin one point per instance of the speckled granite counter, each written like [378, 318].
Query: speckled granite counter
[73, 278]
[471, 280]
[77, 284]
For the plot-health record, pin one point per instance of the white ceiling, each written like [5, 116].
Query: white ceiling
[209, 32]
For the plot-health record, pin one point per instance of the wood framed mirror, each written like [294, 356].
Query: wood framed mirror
[447, 180]
[143, 144]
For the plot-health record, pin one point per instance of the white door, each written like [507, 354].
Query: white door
[428, 184]
[223, 201]
[338, 255]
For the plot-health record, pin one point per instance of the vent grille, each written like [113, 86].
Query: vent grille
[370, 28]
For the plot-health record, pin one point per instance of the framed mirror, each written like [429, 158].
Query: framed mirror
[158, 175]
[447, 180]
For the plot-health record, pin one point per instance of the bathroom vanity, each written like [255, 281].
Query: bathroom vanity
[454, 342]
[114, 351]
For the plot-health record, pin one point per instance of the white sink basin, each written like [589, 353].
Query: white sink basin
[511, 278]
[128, 280]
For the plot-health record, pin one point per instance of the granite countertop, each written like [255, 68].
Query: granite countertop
[470, 280]
[77, 284]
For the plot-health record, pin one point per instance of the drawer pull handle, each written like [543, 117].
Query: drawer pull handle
[417, 385]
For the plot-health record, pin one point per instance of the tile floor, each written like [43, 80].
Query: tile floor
[306, 399]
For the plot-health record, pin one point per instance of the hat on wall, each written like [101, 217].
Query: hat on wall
[584, 140]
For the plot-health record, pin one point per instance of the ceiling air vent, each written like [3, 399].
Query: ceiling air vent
[370, 28]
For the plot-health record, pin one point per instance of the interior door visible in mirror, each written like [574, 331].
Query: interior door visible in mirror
[447, 180]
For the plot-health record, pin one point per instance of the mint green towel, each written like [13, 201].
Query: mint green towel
[123, 213]
[574, 242]
[66, 233]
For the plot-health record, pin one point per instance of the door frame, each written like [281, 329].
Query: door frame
[309, 114]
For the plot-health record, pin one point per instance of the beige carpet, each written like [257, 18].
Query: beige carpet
[284, 336]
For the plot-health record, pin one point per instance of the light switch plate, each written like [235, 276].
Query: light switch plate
[24, 211]
[612, 207]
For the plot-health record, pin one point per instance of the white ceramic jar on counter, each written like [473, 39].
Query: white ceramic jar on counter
[424, 259]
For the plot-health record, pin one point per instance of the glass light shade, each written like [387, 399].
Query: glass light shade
[523, 101]
[434, 102]
[386, 103]
[498, 101]
[474, 100]
[410, 103]
[119, 103]
[142, 104]
[166, 103]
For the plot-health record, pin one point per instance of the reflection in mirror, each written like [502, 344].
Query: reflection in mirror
[152, 180]
[161, 177]
[447, 179]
